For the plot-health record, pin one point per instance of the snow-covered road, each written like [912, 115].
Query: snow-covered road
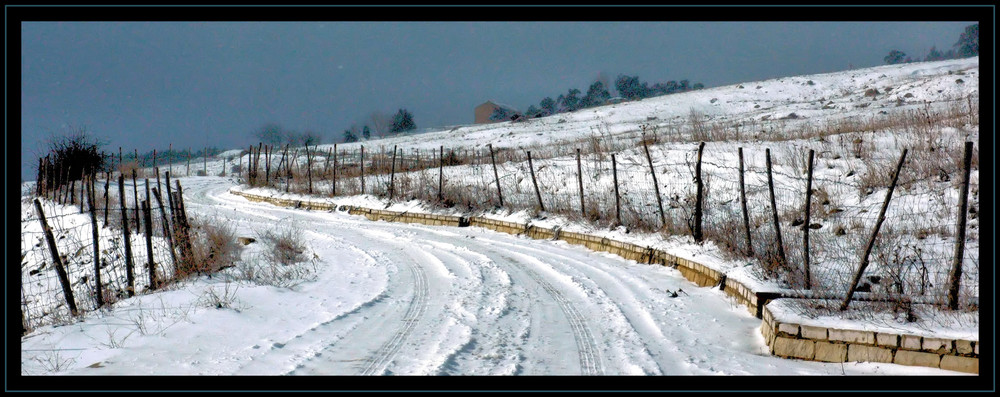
[405, 299]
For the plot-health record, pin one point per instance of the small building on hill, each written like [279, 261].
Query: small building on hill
[484, 111]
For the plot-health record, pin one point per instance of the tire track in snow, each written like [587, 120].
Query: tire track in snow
[590, 359]
[306, 345]
[418, 305]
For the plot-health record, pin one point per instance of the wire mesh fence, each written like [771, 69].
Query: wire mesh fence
[911, 257]
[128, 250]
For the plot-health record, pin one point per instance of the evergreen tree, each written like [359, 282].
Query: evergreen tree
[628, 87]
[597, 95]
[571, 101]
[698, 86]
[500, 114]
[403, 121]
[895, 57]
[934, 55]
[533, 112]
[350, 136]
[672, 87]
[548, 106]
[367, 133]
[968, 43]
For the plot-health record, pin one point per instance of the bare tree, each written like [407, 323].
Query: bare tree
[271, 134]
[381, 123]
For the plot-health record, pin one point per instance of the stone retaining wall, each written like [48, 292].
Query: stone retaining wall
[790, 340]
[784, 339]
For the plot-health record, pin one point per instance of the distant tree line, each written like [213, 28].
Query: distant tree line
[628, 87]
[966, 46]
[401, 122]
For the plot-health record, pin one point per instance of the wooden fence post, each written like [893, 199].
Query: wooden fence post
[188, 168]
[441, 175]
[656, 186]
[267, 165]
[700, 198]
[334, 152]
[135, 199]
[805, 226]
[743, 202]
[127, 239]
[496, 175]
[204, 158]
[149, 241]
[326, 167]
[871, 241]
[362, 169]
[38, 178]
[579, 176]
[107, 180]
[309, 169]
[774, 211]
[618, 200]
[166, 227]
[95, 237]
[56, 259]
[538, 194]
[955, 276]
[181, 224]
[392, 175]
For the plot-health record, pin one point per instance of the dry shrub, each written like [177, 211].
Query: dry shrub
[282, 261]
[213, 247]
[127, 168]
[284, 246]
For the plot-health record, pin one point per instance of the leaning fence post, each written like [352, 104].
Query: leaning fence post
[496, 175]
[805, 226]
[618, 201]
[774, 211]
[107, 180]
[538, 194]
[267, 165]
[181, 224]
[700, 200]
[579, 177]
[871, 241]
[56, 259]
[743, 201]
[166, 227]
[149, 242]
[95, 236]
[656, 186]
[125, 235]
[135, 199]
[955, 276]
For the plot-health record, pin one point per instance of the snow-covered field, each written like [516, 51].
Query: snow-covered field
[388, 298]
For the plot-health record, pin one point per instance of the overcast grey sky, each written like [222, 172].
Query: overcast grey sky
[145, 85]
